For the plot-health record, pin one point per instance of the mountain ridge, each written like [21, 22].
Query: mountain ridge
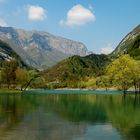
[33, 46]
[41, 49]
[8, 54]
[77, 68]
[127, 42]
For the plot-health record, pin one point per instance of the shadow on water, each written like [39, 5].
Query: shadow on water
[73, 114]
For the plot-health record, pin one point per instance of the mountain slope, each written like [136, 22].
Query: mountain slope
[130, 44]
[8, 54]
[75, 68]
[41, 49]
[134, 49]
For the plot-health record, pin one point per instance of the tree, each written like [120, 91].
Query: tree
[123, 72]
[103, 82]
[32, 74]
[21, 77]
[91, 83]
[8, 74]
[136, 77]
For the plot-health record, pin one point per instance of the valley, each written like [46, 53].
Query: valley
[63, 63]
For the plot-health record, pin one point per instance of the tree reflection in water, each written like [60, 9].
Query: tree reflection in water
[37, 116]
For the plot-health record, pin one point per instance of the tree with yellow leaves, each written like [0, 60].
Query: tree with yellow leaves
[124, 72]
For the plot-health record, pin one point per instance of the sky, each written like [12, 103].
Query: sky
[99, 24]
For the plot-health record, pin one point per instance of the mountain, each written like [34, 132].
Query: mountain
[76, 68]
[40, 49]
[130, 44]
[8, 54]
[134, 50]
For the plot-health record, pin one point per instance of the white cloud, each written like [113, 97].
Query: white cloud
[108, 49]
[36, 13]
[78, 15]
[3, 23]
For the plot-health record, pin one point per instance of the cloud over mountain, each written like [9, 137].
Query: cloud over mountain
[78, 15]
[36, 13]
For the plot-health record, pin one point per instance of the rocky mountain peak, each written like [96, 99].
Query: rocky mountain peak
[125, 44]
[43, 48]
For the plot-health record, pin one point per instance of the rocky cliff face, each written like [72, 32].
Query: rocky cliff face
[41, 49]
[127, 42]
[8, 54]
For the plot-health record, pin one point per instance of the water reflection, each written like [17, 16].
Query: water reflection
[69, 117]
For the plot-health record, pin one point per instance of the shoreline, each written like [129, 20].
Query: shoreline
[10, 91]
[13, 91]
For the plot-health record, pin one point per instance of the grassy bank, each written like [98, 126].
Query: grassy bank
[10, 91]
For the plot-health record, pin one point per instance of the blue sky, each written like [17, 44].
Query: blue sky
[99, 24]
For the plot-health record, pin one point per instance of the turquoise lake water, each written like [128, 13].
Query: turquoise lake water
[69, 115]
[73, 92]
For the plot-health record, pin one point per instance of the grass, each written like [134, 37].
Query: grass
[10, 91]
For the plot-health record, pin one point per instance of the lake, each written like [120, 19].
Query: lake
[39, 115]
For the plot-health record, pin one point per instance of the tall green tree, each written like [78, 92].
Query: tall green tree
[8, 75]
[22, 77]
[124, 72]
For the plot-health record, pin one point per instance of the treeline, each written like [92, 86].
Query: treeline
[69, 72]
[12, 76]
[122, 74]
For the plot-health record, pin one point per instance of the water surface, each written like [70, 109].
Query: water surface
[69, 117]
